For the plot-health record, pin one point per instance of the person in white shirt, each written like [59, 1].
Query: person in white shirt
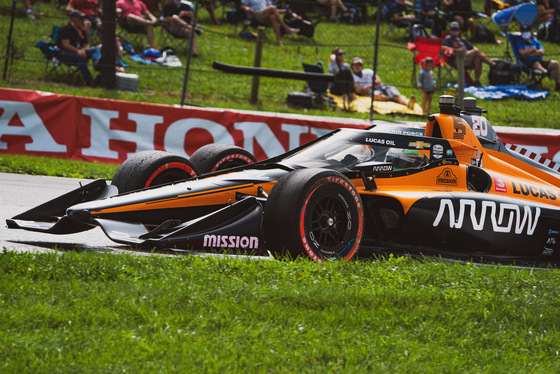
[363, 79]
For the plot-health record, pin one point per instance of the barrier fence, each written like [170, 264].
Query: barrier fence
[233, 42]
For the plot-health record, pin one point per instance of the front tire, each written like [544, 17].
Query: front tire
[152, 168]
[217, 157]
[316, 213]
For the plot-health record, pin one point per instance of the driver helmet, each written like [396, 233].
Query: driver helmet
[405, 159]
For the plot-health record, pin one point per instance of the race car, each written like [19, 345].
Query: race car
[450, 188]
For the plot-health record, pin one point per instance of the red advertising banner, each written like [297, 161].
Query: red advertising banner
[40, 123]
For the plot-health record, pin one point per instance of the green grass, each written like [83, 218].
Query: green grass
[55, 167]
[210, 88]
[85, 312]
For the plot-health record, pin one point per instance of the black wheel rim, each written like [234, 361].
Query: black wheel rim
[328, 222]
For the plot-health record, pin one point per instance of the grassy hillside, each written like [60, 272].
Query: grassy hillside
[207, 87]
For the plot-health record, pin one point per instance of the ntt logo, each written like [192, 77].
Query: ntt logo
[231, 241]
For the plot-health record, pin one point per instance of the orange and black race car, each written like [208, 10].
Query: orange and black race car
[451, 188]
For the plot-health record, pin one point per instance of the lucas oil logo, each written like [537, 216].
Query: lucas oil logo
[447, 177]
[231, 241]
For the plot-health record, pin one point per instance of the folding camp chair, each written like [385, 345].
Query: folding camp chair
[317, 90]
[529, 77]
[55, 67]
[424, 47]
[317, 87]
[525, 14]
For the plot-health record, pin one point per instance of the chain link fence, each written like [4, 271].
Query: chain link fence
[233, 42]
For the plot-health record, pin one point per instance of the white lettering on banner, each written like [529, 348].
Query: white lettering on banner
[263, 135]
[529, 219]
[33, 127]
[176, 134]
[294, 132]
[101, 132]
[320, 131]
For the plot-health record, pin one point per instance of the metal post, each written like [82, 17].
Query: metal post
[460, 59]
[375, 50]
[109, 45]
[257, 64]
[9, 44]
[189, 54]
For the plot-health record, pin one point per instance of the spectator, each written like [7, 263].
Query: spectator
[177, 16]
[397, 13]
[337, 61]
[333, 7]
[210, 6]
[363, 79]
[91, 9]
[547, 10]
[75, 50]
[473, 56]
[427, 84]
[343, 84]
[429, 15]
[28, 4]
[135, 17]
[461, 11]
[531, 52]
[267, 14]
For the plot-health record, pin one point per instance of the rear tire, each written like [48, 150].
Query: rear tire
[316, 213]
[152, 168]
[217, 157]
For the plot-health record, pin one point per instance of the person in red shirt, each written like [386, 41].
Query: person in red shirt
[135, 17]
[91, 9]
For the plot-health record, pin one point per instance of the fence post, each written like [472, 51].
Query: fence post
[257, 64]
[8, 45]
[460, 59]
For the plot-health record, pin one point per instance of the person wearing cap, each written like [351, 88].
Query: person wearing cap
[136, 18]
[90, 9]
[364, 82]
[473, 56]
[74, 46]
[427, 83]
[531, 53]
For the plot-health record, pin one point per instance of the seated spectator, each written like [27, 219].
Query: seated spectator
[429, 15]
[210, 6]
[91, 9]
[337, 63]
[397, 13]
[531, 52]
[75, 50]
[547, 10]
[333, 7]
[177, 16]
[363, 79]
[461, 11]
[343, 84]
[267, 14]
[28, 4]
[473, 56]
[135, 17]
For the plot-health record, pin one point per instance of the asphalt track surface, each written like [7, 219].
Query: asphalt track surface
[19, 193]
